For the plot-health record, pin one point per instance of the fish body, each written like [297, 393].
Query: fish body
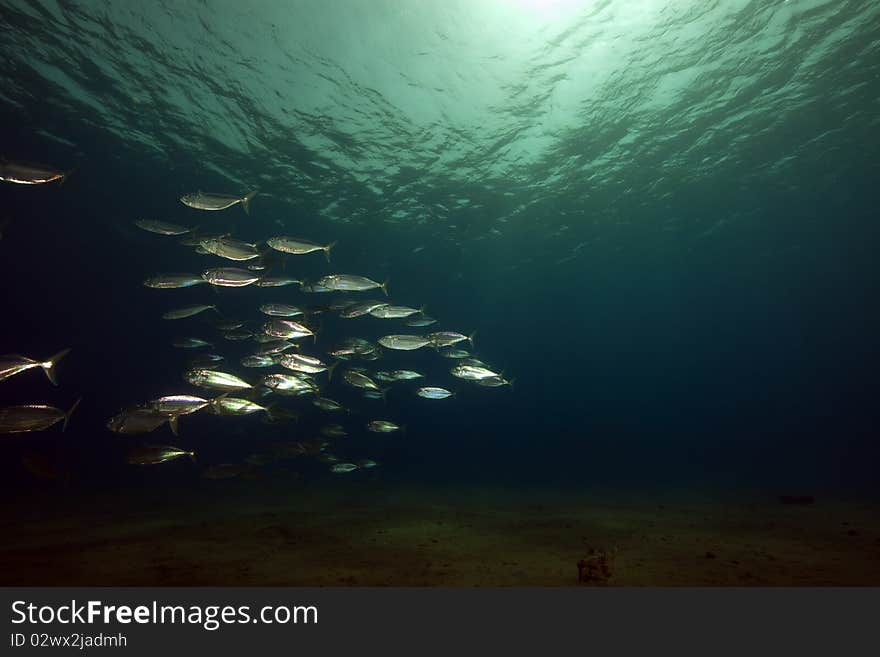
[231, 249]
[289, 384]
[471, 372]
[161, 227]
[209, 201]
[22, 173]
[494, 382]
[179, 404]
[187, 311]
[13, 364]
[382, 426]
[405, 342]
[455, 354]
[274, 347]
[277, 281]
[230, 277]
[367, 463]
[155, 454]
[33, 417]
[326, 404]
[171, 281]
[305, 364]
[280, 310]
[449, 338]
[406, 375]
[360, 308]
[417, 321]
[333, 431]
[350, 283]
[286, 329]
[238, 335]
[298, 246]
[359, 380]
[224, 405]
[430, 392]
[339, 468]
[205, 378]
[140, 419]
[257, 360]
[393, 312]
[190, 343]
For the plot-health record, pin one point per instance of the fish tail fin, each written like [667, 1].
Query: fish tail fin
[422, 309]
[471, 338]
[384, 287]
[49, 365]
[192, 455]
[403, 429]
[245, 202]
[330, 369]
[328, 247]
[69, 413]
[384, 393]
[216, 310]
[172, 422]
[510, 383]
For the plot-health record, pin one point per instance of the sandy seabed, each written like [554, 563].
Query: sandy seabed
[369, 533]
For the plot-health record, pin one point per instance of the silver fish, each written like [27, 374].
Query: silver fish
[23, 173]
[208, 201]
[153, 455]
[394, 312]
[306, 364]
[33, 417]
[343, 467]
[286, 328]
[495, 382]
[333, 431]
[449, 338]
[277, 281]
[472, 373]
[231, 249]
[367, 463]
[140, 419]
[188, 311]
[359, 380]
[382, 426]
[298, 246]
[230, 277]
[326, 404]
[190, 343]
[257, 360]
[169, 281]
[161, 227]
[13, 364]
[405, 342]
[280, 310]
[360, 308]
[234, 406]
[406, 375]
[288, 383]
[419, 321]
[350, 283]
[429, 392]
[205, 378]
[178, 404]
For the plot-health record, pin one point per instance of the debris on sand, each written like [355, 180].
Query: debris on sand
[596, 567]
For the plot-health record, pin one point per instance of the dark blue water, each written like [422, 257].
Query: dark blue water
[671, 317]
